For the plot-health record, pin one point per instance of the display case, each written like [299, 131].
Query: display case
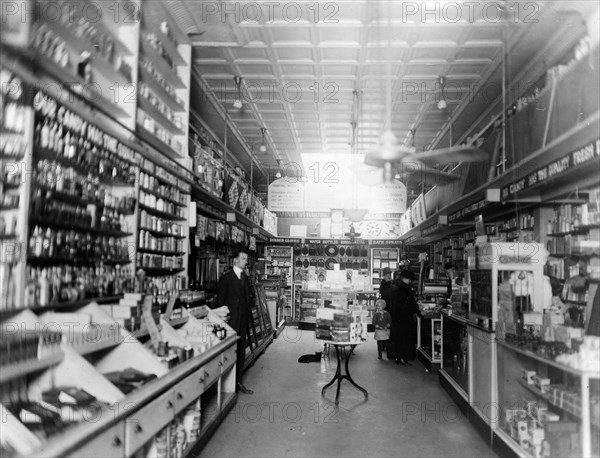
[454, 369]
[498, 270]
[86, 366]
[381, 258]
[280, 264]
[546, 408]
[429, 341]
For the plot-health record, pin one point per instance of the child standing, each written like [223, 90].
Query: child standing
[382, 321]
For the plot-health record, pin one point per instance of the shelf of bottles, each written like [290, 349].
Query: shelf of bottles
[88, 53]
[164, 75]
[15, 143]
[162, 242]
[82, 197]
[573, 240]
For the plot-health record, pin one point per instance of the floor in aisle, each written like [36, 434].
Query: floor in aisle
[407, 414]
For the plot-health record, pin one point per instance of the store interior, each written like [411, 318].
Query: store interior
[143, 144]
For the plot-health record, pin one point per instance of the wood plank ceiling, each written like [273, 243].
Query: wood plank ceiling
[300, 63]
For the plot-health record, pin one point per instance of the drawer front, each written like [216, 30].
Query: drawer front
[212, 371]
[188, 390]
[108, 444]
[144, 424]
[229, 358]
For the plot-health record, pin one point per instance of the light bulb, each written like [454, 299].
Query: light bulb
[262, 148]
[442, 104]
[237, 104]
[397, 176]
[278, 174]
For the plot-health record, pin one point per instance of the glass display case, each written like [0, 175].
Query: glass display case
[546, 408]
[455, 352]
[429, 341]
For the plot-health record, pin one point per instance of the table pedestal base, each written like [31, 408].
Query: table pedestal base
[338, 372]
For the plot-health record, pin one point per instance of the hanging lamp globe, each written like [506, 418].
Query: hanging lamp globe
[355, 214]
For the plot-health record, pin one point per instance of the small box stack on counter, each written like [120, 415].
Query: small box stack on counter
[341, 326]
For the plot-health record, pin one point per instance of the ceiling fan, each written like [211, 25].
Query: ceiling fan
[390, 154]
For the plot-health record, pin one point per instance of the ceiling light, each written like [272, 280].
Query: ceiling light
[278, 174]
[397, 176]
[237, 103]
[263, 147]
[442, 103]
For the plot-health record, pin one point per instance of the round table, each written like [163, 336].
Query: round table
[340, 348]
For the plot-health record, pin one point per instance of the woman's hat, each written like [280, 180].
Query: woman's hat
[386, 271]
[405, 273]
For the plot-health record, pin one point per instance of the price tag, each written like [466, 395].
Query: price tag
[150, 324]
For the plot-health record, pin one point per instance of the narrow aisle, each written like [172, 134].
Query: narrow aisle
[407, 414]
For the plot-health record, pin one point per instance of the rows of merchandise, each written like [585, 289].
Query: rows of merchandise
[517, 345]
[105, 206]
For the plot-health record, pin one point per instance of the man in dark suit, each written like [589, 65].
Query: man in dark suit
[234, 292]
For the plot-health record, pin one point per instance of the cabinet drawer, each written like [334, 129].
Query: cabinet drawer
[143, 425]
[229, 358]
[188, 390]
[213, 369]
[108, 444]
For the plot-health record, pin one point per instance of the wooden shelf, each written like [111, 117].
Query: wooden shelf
[157, 143]
[80, 45]
[55, 260]
[158, 116]
[160, 271]
[14, 370]
[80, 169]
[49, 67]
[536, 391]
[549, 362]
[166, 253]
[161, 214]
[167, 44]
[160, 91]
[161, 234]
[72, 227]
[161, 65]
[157, 194]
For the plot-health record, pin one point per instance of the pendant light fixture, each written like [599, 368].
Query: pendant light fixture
[263, 146]
[442, 105]
[237, 103]
[355, 214]
[278, 174]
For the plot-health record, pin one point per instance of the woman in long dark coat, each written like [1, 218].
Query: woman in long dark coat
[403, 310]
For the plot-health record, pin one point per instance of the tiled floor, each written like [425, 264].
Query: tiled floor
[407, 413]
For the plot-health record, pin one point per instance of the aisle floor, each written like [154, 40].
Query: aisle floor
[407, 414]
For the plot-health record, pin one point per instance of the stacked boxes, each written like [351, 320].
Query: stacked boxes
[341, 326]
